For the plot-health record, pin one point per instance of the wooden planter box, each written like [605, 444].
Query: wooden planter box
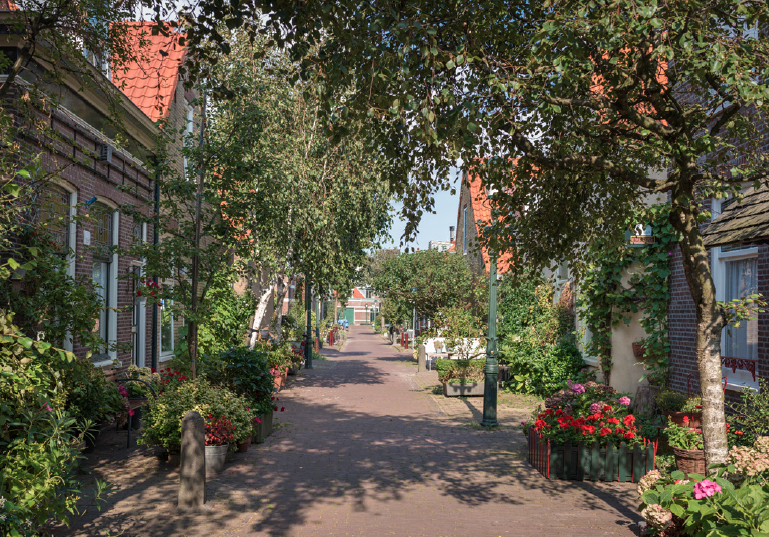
[468, 389]
[590, 463]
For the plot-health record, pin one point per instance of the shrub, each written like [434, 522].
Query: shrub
[470, 370]
[90, 397]
[731, 502]
[671, 401]
[247, 373]
[751, 413]
[163, 424]
[541, 370]
[537, 338]
[39, 441]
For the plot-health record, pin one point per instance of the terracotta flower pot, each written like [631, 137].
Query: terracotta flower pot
[695, 418]
[245, 444]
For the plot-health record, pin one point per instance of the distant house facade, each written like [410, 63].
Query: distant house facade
[362, 306]
[474, 207]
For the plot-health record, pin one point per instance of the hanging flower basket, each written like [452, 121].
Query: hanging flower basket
[583, 462]
[639, 351]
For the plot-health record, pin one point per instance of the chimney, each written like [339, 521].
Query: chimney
[451, 233]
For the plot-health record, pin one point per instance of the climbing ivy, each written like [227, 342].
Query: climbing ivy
[606, 302]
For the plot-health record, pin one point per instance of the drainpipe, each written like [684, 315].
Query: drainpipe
[155, 241]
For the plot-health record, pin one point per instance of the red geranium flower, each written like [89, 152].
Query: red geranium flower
[605, 431]
[629, 435]
[588, 429]
[686, 419]
[739, 433]
[613, 421]
[606, 408]
[629, 419]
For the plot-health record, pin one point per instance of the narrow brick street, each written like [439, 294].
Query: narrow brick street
[364, 447]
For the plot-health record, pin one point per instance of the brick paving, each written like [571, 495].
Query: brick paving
[365, 448]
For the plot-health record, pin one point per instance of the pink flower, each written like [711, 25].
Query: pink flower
[48, 407]
[130, 411]
[624, 400]
[257, 420]
[705, 489]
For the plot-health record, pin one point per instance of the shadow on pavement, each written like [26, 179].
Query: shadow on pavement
[327, 454]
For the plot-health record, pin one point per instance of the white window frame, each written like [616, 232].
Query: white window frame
[189, 128]
[719, 259]
[72, 240]
[112, 323]
[165, 356]
[141, 358]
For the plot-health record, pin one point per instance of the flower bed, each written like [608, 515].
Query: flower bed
[588, 434]
[585, 462]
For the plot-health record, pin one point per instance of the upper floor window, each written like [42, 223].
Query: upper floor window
[54, 216]
[188, 130]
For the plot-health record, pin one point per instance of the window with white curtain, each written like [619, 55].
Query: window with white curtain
[741, 281]
[735, 273]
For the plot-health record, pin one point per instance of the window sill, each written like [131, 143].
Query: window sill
[166, 357]
[738, 387]
[103, 363]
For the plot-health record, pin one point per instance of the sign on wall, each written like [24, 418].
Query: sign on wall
[640, 235]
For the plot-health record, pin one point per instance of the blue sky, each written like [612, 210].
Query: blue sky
[433, 227]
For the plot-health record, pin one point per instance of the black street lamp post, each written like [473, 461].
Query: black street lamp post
[491, 370]
[308, 331]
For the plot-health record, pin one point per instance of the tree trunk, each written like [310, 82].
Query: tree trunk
[277, 319]
[261, 309]
[710, 321]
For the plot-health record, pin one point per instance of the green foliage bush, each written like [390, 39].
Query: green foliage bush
[226, 325]
[163, 424]
[39, 441]
[470, 370]
[751, 412]
[732, 500]
[537, 338]
[245, 372]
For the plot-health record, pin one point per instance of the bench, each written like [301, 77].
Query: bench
[134, 403]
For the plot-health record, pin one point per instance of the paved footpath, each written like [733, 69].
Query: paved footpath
[364, 449]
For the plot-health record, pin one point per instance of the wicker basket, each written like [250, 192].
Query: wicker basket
[690, 461]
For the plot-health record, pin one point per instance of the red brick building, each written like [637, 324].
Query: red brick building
[740, 265]
[96, 176]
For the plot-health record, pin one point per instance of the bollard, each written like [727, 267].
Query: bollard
[422, 359]
[192, 474]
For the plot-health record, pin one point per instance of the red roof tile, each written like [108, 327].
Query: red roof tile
[356, 293]
[150, 80]
[482, 211]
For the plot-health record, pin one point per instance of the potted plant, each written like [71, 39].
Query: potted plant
[639, 350]
[219, 434]
[687, 445]
[461, 377]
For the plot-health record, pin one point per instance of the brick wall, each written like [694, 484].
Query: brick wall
[123, 181]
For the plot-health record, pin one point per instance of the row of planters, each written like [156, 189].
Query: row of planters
[235, 392]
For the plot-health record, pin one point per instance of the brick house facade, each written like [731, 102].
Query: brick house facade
[95, 177]
[684, 375]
